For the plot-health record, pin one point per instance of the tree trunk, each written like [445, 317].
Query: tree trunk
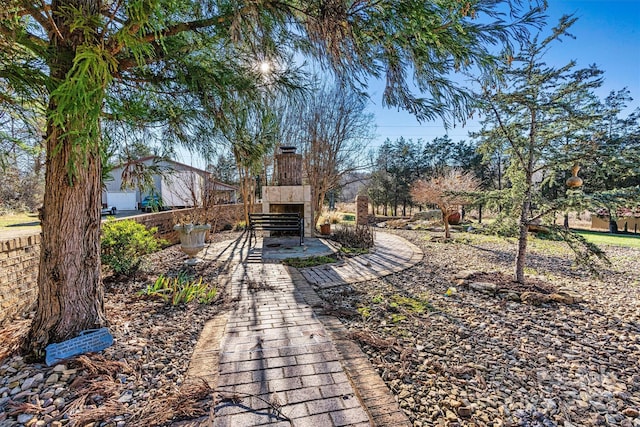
[70, 294]
[480, 214]
[445, 220]
[523, 230]
[318, 199]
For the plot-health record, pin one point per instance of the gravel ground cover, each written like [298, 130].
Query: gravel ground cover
[455, 356]
[140, 380]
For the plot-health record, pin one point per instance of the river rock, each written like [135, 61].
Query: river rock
[486, 287]
[631, 412]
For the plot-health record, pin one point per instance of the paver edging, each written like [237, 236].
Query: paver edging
[371, 390]
[338, 274]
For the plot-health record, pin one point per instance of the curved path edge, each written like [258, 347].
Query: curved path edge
[262, 286]
[391, 254]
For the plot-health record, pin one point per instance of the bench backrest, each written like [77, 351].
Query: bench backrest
[285, 218]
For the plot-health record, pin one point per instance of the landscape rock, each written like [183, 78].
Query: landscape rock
[534, 298]
[541, 363]
[631, 412]
[489, 288]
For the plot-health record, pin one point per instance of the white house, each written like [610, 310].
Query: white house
[177, 184]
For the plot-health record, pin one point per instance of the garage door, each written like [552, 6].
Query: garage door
[122, 200]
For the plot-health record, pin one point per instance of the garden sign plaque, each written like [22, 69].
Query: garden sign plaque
[91, 340]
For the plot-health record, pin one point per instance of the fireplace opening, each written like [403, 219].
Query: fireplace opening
[286, 208]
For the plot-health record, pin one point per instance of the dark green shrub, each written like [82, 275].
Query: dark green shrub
[124, 243]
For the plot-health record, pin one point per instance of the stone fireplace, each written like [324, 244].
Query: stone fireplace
[289, 195]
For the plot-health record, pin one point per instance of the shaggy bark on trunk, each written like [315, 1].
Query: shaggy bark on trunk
[70, 295]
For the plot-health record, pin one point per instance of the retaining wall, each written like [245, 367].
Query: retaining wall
[600, 223]
[19, 257]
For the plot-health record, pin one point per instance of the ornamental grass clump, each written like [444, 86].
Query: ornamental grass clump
[354, 237]
[181, 289]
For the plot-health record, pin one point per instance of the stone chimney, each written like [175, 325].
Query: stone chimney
[288, 167]
[288, 195]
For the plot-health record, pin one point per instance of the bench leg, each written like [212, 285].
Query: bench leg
[301, 231]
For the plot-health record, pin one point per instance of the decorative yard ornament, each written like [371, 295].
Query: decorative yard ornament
[192, 240]
[575, 181]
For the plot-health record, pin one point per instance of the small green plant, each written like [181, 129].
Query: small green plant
[411, 305]
[397, 318]
[240, 226]
[348, 217]
[365, 312]
[378, 299]
[124, 243]
[308, 262]
[350, 252]
[181, 289]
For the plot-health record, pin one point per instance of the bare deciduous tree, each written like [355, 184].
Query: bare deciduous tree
[445, 191]
[331, 128]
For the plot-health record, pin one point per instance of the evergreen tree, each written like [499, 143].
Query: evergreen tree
[175, 68]
[404, 168]
[530, 113]
[611, 158]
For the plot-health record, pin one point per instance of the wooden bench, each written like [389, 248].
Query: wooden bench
[276, 222]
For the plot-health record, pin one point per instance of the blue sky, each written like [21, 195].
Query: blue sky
[607, 34]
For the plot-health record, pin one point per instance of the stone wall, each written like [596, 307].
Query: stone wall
[602, 223]
[362, 210]
[19, 257]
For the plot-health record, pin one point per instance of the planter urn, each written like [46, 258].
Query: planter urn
[192, 239]
[325, 229]
[575, 181]
[454, 218]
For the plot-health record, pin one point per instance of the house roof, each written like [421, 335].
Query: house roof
[162, 159]
[220, 186]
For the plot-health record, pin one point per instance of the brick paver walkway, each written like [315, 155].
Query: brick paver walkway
[391, 254]
[277, 360]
